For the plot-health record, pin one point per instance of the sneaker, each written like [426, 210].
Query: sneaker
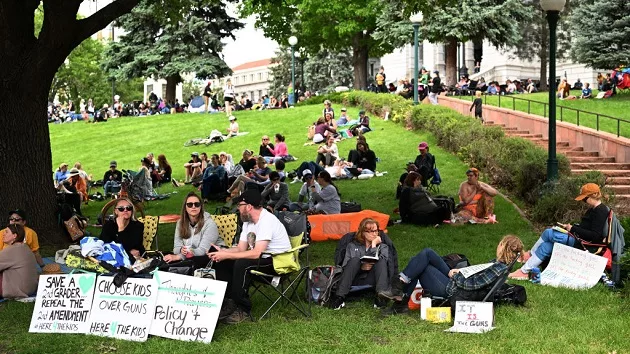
[227, 308]
[395, 291]
[337, 303]
[295, 180]
[380, 303]
[397, 308]
[237, 316]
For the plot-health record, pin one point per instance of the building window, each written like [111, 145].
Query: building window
[260, 94]
[259, 76]
[163, 90]
[251, 95]
[149, 88]
[251, 77]
[236, 80]
[244, 78]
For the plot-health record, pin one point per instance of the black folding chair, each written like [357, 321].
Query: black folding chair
[499, 283]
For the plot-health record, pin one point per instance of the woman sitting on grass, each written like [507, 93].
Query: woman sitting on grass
[368, 257]
[195, 231]
[590, 229]
[165, 169]
[193, 167]
[277, 193]
[476, 199]
[329, 153]
[125, 229]
[416, 205]
[18, 270]
[328, 199]
[279, 151]
[438, 279]
[322, 129]
[259, 175]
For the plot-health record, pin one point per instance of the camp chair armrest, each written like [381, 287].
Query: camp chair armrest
[256, 272]
[285, 252]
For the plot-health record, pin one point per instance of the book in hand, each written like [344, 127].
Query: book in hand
[560, 228]
[369, 259]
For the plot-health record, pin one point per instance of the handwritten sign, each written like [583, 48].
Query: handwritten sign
[474, 269]
[123, 312]
[572, 268]
[473, 317]
[439, 314]
[187, 308]
[63, 303]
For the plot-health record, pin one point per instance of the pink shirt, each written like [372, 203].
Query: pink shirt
[281, 149]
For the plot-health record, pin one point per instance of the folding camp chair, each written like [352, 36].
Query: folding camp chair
[150, 231]
[228, 226]
[499, 283]
[290, 273]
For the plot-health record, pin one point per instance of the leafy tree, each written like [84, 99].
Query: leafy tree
[334, 24]
[453, 21]
[327, 70]
[601, 30]
[165, 48]
[280, 72]
[534, 42]
[29, 61]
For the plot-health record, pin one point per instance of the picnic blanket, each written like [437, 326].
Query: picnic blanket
[333, 227]
[211, 139]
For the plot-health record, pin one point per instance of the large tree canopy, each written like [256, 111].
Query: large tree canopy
[28, 64]
[165, 48]
[601, 31]
[331, 24]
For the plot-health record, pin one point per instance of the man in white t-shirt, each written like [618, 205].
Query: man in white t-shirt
[262, 232]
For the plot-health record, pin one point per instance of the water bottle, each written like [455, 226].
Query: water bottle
[535, 275]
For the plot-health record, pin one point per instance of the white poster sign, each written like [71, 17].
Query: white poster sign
[63, 303]
[474, 269]
[187, 308]
[473, 317]
[123, 312]
[572, 268]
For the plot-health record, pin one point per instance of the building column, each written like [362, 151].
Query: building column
[440, 63]
[469, 49]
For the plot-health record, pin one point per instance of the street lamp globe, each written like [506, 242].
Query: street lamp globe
[297, 54]
[416, 18]
[552, 5]
[293, 40]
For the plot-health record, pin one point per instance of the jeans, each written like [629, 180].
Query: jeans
[352, 270]
[236, 274]
[433, 98]
[295, 206]
[111, 187]
[544, 246]
[428, 267]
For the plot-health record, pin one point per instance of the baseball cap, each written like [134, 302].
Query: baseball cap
[113, 164]
[195, 154]
[306, 173]
[250, 196]
[232, 118]
[343, 109]
[587, 190]
[423, 146]
[361, 112]
[20, 212]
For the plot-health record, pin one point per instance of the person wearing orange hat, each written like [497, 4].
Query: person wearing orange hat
[591, 228]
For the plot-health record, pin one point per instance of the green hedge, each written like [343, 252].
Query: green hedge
[512, 163]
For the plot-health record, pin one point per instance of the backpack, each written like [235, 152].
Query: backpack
[323, 281]
[311, 132]
[456, 260]
[445, 202]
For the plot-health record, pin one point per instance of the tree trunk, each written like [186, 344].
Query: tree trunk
[360, 52]
[171, 87]
[25, 157]
[544, 54]
[450, 76]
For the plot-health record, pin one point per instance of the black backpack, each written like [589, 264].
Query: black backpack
[456, 260]
[323, 282]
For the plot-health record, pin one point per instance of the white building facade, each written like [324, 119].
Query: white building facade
[252, 79]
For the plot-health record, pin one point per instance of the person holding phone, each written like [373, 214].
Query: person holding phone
[125, 229]
[195, 232]
[277, 192]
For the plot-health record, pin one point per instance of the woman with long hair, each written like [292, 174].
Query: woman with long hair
[279, 151]
[437, 278]
[328, 153]
[328, 199]
[195, 231]
[125, 229]
[18, 270]
[321, 130]
[590, 229]
[365, 253]
[165, 169]
[193, 167]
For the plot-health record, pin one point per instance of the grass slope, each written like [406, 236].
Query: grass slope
[554, 320]
[617, 107]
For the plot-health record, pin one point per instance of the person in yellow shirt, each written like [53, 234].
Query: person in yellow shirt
[18, 216]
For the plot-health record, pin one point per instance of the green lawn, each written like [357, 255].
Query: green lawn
[554, 320]
[616, 107]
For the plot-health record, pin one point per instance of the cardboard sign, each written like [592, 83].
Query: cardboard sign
[123, 312]
[473, 317]
[63, 303]
[439, 314]
[572, 268]
[474, 269]
[187, 308]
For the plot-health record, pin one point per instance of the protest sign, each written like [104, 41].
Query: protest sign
[474, 269]
[572, 268]
[439, 314]
[63, 303]
[187, 308]
[123, 312]
[473, 317]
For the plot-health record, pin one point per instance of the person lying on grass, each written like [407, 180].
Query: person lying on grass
[438, 279]
[591, 229]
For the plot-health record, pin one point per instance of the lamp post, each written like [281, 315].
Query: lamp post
[552, 8]
[292, 41]
[415, 20]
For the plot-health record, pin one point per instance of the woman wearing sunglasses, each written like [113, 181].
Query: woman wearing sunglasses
[125, 229]
[194, 232]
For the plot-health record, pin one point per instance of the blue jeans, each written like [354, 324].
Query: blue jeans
[111, 187]
[544, 246]
[428, 267]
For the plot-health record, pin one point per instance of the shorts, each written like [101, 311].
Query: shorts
[228, 99]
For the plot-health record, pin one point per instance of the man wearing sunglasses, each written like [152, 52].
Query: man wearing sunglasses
[262, 232]
[18, 217]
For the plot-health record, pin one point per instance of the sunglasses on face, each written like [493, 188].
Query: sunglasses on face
[193, 204]
[124, 208]
[15, 219]
[266, 139]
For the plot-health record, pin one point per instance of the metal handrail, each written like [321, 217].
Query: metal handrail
[545, 110]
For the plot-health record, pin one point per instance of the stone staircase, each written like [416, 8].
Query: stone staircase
[618, 174]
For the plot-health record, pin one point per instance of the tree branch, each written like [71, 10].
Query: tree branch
[88, 26]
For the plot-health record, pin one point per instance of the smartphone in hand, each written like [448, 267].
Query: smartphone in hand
[213, 249]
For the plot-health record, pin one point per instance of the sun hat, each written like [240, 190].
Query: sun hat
[73, 172]
[588, 190]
